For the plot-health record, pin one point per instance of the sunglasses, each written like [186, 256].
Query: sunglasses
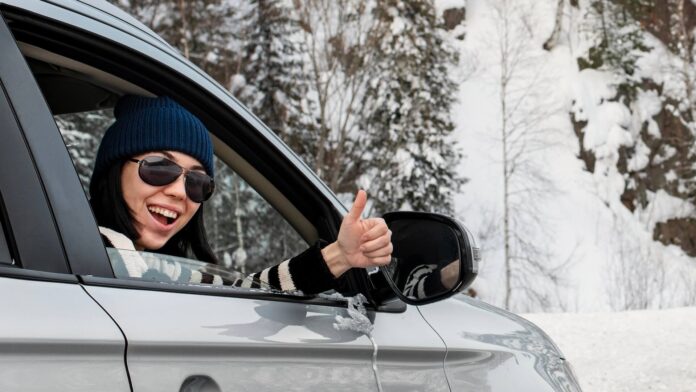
[159, 171]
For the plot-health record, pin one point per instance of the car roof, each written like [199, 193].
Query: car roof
[100, 10]
[104, 7]
[106, 12]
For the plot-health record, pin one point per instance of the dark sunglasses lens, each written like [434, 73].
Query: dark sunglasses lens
[199, 186]
[158, 171]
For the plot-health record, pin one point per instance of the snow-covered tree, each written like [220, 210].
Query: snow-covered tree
[339, 36]
[407, 111]
[205, 31]
[82, 134]
[273, 82]
[243, 228]
[619, 44]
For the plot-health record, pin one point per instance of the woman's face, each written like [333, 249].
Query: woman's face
[158, 212]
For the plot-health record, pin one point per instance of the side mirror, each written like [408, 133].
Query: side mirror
[434, 257]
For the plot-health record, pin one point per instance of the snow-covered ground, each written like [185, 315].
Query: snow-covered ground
[646, 350]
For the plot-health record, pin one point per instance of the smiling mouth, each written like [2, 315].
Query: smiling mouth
[163, 215]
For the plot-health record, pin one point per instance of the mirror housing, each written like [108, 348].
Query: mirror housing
[434, 257]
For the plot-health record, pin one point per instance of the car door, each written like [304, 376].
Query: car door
[181, 336]
[235, 343]
[410, 354]
[52, 332]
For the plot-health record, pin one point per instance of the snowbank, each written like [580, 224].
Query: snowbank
[647, 350]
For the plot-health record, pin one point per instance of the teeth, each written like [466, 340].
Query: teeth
[163, 212]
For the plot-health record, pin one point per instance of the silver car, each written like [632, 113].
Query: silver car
[71, 322]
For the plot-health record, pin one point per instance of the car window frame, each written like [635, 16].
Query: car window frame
[6, 256]
[305, 191]
[28, 220]
[68, 205]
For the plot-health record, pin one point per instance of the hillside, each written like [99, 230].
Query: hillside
[598, 192]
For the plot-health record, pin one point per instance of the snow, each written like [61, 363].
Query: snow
[443, 5]
[663, 207]
[237, 82]
[397, 26]
[633, 351]
[648, 105]
[357, 319]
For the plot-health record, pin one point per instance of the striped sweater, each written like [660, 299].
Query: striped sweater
[306, 272]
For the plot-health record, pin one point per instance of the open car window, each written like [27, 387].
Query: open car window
[245, 232]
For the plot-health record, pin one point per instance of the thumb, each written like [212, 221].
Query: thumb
[358, 206]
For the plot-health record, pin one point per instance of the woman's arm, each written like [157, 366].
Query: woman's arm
[361, 243]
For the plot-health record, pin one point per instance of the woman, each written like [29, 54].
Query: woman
[152, 175]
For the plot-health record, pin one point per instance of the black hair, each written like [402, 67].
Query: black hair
[111, 211]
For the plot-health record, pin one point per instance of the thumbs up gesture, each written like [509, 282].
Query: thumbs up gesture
[361, 242]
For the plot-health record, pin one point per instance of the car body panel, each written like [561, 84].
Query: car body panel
[410, 354]
[490, 349]
[55, 337]
[22, 201]
[241, 344]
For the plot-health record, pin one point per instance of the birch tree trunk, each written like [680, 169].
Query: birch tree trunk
[184, 28]
[553, 39]
[504, 51]
[531, 276]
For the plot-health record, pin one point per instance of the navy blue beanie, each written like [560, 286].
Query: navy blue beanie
[152, 124]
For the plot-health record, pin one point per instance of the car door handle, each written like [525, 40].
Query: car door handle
[199, 383]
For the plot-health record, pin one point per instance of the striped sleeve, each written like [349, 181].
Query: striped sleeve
[306, 272]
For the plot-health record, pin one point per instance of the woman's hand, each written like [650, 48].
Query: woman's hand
[361, 242]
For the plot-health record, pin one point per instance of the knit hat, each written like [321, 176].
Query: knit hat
[153, 124]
